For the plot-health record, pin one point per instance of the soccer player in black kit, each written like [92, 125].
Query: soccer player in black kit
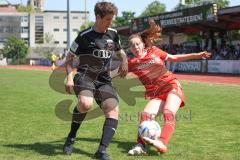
[95, 47]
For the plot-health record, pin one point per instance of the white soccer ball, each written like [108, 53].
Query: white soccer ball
[150, 129]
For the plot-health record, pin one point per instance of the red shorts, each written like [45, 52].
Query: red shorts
[161, 91]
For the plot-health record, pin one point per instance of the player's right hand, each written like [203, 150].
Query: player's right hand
[69, 86]
[123, 70]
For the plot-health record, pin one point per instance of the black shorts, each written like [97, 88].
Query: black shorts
[101, 90]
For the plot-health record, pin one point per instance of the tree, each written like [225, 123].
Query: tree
[191, 3]
[153, 8]
[48, 47]
[15, 49]
[23, 8]
[87, 25]
[124, 20]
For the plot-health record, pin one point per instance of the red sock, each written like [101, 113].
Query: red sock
[168, 126]
[144, 117]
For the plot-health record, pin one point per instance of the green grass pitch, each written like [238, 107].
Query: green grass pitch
[207, 128]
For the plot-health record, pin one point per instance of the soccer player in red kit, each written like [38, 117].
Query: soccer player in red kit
[163, 90]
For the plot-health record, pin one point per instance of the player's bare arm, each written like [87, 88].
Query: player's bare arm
[184, 57]
[69, 69]
[123, 69]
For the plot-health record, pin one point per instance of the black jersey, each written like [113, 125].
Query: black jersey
[95, 52]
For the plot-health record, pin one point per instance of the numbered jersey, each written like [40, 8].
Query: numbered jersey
[95, 51]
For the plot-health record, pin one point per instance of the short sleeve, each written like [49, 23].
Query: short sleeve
[77, 45]
[117, 43]
[162, 54]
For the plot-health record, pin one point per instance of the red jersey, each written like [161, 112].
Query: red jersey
[154, 75]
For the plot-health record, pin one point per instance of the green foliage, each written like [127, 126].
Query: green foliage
[23, 8]
[48, 38]
[191, 3]
[48, 47]
[15, 49]
[124, 20]
[195, 36]
[153, 8]
[87, 25]
[235, 34]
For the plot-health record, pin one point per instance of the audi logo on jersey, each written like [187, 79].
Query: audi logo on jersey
[100, 53]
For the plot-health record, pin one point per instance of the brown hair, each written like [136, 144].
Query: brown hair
[136, 35]
[149, 36]
[105, 8]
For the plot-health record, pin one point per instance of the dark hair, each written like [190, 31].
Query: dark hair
[105, 8]
[149, 36]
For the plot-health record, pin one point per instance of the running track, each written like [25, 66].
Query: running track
[196, 77]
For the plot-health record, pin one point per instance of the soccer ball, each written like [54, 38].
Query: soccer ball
[150, 129]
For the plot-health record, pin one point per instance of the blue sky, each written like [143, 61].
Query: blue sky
[136, 6]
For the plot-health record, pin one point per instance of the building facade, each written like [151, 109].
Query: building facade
[33, 27]
[36, 4]
[14, 24]
[55, 24]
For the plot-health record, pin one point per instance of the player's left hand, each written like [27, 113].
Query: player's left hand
[123, 69]
[204, 54]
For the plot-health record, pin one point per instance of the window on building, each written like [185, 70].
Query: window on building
[39, 32]
[56, 29]
[75, 30]
[24, 18]
[64, 30]
[75, 17]
[24, 29]
[5, 30]
[56, 17]
[56, 42]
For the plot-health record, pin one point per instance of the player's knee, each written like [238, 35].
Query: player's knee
[113, 113]
[110, 105]
[168, 117]
[84, 106]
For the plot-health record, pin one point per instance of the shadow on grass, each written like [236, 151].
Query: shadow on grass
[48, 148]
[124, 147]
[54, 148]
